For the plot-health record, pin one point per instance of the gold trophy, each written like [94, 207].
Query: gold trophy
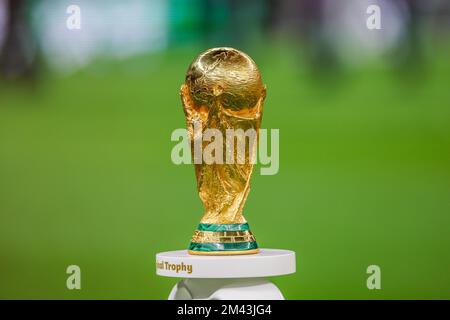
[223, 91]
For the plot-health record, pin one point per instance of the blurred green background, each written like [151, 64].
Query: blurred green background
[86, 116]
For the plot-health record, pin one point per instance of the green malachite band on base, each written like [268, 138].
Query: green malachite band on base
[214, 238]
[223, 227]
[211, 247]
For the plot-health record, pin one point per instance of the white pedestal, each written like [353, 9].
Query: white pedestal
[225, 277]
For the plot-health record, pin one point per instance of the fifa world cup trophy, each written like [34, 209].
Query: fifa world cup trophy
[223, 93]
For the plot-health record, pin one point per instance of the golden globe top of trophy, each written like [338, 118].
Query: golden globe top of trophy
[223, 91]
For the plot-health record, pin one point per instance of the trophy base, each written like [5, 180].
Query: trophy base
[223, 239]
[223, 253]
